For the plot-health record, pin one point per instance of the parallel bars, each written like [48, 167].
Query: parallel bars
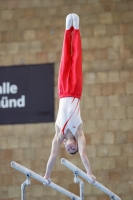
[77, 172]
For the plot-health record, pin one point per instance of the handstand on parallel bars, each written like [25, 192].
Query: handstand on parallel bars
[77, 172]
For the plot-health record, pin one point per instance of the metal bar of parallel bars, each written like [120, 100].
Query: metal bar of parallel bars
[36, 176]
[81, 185]
[23, 190]
[23, 187]
[72, 167]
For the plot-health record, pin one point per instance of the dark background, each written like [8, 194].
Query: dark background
[36, 82]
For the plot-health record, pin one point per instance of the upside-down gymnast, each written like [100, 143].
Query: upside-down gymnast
[68, 124]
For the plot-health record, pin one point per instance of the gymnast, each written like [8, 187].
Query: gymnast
[68, 124]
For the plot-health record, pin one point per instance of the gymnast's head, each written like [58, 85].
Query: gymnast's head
[71, 145]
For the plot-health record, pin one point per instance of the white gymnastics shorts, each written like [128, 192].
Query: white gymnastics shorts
[69, 115]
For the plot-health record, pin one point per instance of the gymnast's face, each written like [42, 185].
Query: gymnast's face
[71, 146]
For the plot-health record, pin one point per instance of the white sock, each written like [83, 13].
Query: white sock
[69, 21]
[75, 21]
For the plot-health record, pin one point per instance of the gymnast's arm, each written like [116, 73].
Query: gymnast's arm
[83, 155]
[57, 140]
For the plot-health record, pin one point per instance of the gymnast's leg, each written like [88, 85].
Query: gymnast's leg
[66, 59]
[76, 70]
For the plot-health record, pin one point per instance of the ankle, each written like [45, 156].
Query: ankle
[69, 21]
[75, 18]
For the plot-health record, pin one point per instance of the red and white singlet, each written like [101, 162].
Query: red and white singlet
[69, 115]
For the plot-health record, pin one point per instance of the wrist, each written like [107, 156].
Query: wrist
[47, 176]
[89, 173]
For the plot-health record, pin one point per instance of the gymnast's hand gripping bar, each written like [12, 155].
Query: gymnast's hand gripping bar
[32, 174]
[72, 167]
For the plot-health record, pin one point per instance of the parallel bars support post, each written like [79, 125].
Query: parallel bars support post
[81, 185]
[23, 191]
[23, 188]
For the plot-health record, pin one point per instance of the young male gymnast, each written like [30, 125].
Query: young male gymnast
[68, 123]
